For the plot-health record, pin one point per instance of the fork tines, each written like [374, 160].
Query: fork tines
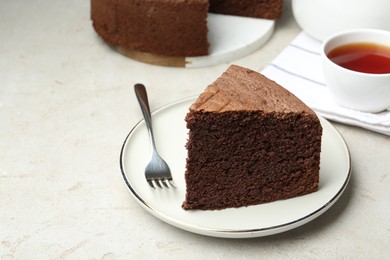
[161, 183]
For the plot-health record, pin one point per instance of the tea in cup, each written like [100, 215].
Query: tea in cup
[356, 66]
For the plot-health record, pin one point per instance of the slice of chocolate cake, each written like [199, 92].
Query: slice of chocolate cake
[250, 142]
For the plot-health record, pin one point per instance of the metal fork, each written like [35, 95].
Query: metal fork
[157, 170]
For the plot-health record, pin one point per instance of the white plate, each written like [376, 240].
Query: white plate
[254, 221]
[232, 37]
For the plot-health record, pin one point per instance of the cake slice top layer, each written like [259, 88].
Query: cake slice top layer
[242, 89]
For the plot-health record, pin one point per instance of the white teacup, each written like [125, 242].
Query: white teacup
[322, 18]
[357, 90]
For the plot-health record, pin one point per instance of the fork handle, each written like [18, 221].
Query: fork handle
[142, 97]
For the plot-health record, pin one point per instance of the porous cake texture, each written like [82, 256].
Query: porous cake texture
[250, 141]
[164, 27]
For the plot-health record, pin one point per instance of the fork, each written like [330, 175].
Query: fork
[157, 172]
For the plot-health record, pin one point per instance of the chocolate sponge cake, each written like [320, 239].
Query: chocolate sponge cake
[250, 142]
[164, 27]
[267, 9]
[174, 28]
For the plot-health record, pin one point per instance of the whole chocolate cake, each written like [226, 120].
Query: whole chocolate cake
[165, 27]
[175, 28]
[250, 141]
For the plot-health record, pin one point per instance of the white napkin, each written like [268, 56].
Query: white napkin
[298, 68]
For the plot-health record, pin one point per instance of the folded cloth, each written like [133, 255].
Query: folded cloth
[298, 68]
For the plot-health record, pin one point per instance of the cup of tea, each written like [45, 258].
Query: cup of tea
[356, 67]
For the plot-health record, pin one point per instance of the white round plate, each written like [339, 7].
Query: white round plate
[253, 221]
[232, 37]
